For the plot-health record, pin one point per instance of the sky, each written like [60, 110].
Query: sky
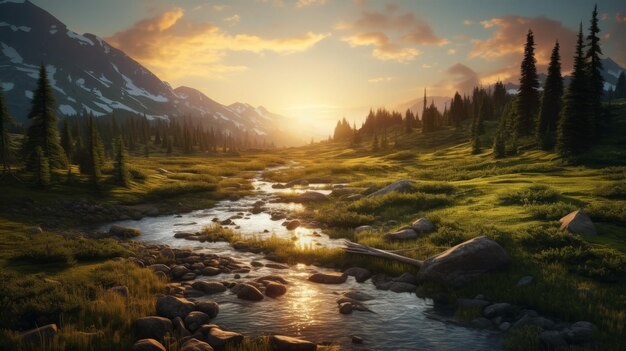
[321, 60]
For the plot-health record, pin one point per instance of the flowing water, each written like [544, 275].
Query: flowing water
[309, 310]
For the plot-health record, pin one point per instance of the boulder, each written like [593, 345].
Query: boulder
[152, 327]
[402, 186]
[124, 232]
[525, 280]
[399, 287]
[402, 234]
[196, 345]
[34, 230]
[168, 253]
[188, 276]
[406, 278]
[423, 225]
[580, 332]
[276, 266]
[41, 335]
[311, 196]
[358, 296]
[195, 319]
[472, 303]
[211, 271]
[291, 225]
[329, 278]
[208, 287]
[178, 272]
[172, 307]
[552, 339]
[360, 274]
[147, 345]
[464, 262]
[179, 328]
[345, 308]
[365, 228]
[499, 309]
[481, 323]
[219, 338]
[159, 268]
[249, 292]
[579, 223]
[275, 290]
[211, 308]
[287, 343]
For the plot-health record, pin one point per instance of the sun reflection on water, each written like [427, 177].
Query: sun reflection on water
[304, 300]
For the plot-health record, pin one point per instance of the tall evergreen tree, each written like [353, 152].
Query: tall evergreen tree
[122, 175]
[574, 124]
[43, 130]
[499, 99]
[551, 102]
[67, 142]
[5, 121]
[595, 84]
[41, 168]
[620, 87]
[95, 153]
[528, 96]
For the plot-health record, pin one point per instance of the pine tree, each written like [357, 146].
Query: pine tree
[476, 145]
[41, 168]
[67, 142]
[95, 153]
[122, 175]
[384, 143]
[574, 124]
[528, 96]
[375, 143]
[551, 102]
[499, 99]
[5, 121]
[43, 130]
[595, 83]
[146, 150]
[169, 146]
[620, 87]
[499, 146]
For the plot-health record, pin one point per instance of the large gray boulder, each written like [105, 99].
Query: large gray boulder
[423, 225]
[249, 292]
[402, 186]
[211, 308]
[464, 262]
[360, 274]
[152, 327]
[329, 278]
[172, 307]
[579, 223]
[402, 234]
[287, 343]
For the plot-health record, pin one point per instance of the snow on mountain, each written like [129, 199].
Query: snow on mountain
[87, 74]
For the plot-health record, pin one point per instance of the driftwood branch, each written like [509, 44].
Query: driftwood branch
[366, 250]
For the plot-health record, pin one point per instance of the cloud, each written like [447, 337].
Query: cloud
[306, 3]
[506, 43]
[464, 79]
[393, 33]
[615, 44]
[219, 8]
[468, 22]
[232, 20]
[174, 47]
[380, 79]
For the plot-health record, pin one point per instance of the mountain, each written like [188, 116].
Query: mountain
[87, 74]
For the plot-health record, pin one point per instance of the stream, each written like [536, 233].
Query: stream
[400, 321]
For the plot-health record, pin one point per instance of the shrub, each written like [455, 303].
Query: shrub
[447, 236]
[616, 190]
[614, 212]
[550, 212]
[536, 194]
[399, 202]
[216, 232]
[340, 217]
[523, 339]
[180, 188]
[434, 187]
[137, 174]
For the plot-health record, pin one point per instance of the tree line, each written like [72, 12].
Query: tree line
[89, 141]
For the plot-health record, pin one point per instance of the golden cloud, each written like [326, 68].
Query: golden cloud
[174, 47]
[305, 3]
[384, 49]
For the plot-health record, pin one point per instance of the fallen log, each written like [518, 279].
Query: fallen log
[370, 251]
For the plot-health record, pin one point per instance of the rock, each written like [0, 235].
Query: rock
[358, 296]
[402, 234]
[464, 262]
[406, 278]
[580, 332]
[287, 343]
[345, 308]
[276, 266]
[211, 271]
[124, 232]
[311, 196]
[292, 225]
[579, 223]
[121, 290]
[195, 319]
[41, 335]
[179, 327]
[209, 287]
[278, 186]
[295, 182]
[160, 268]
[211, 308]
[360, 274]
[328, 278]
[249, 292]
[184, 235]
[256, 264]
[275, 290]
[525, 280]
[147, 345]
[504, 326]
[196, 345]
[472, 303]
[382, 281]
[357, 339]
[188, 276]
[365, 228]
[152, 327]
[402, 186]
[172, 307]
[179, 271]
[552, 339]
[168, 253]
[160, 275]
[481, 323]
[34, 230]
[399, 287]
[219, 338]
[423, 225]
[499, 309]
[272, 278]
